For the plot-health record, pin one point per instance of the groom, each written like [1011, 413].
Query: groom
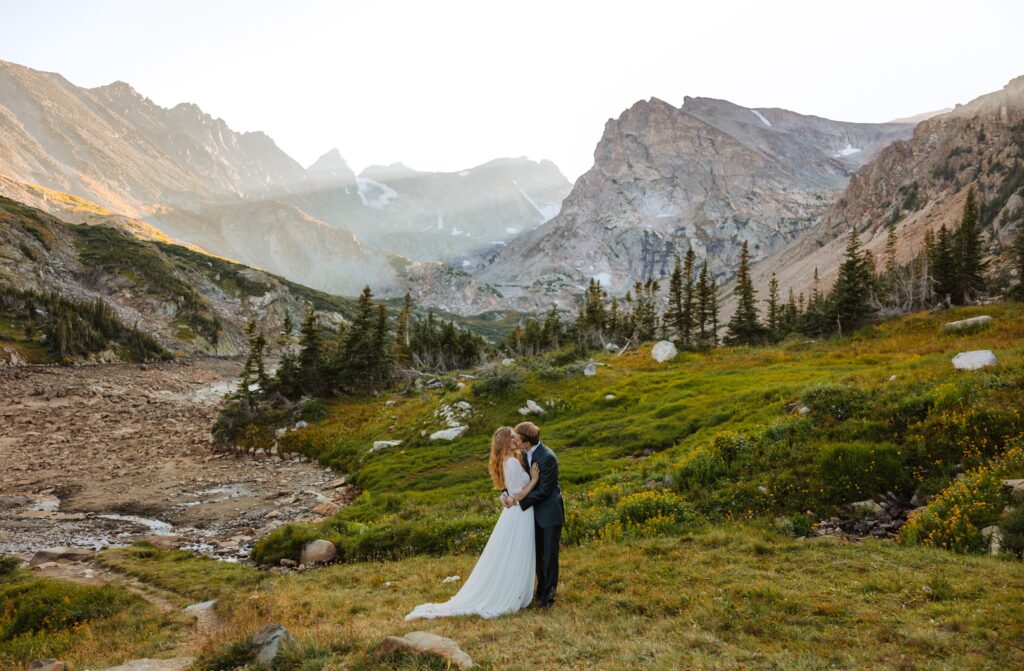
[548, 515]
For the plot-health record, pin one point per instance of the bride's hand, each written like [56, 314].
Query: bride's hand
[535, 471]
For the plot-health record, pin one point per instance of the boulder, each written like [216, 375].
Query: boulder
[867, 506]
[11, 357]
[994, 537]
[47, 665]
[268, 641]
[422, 642]
[449, 434]
[532, 408]
[379, 445]
[974, 360]
[318, 552]
[327, 508]
[664, 350]
[984, 321]
[173, 664]
[301, 424]
[1016, 489]
[62, 553]
[590, 370]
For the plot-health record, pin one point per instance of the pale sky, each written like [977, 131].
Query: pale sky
[444, 85]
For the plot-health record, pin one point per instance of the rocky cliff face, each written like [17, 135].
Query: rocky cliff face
[710, 174]
[920, 183]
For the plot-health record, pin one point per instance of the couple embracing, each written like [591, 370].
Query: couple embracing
[525, 539]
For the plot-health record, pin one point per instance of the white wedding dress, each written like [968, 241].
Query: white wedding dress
[502, 580]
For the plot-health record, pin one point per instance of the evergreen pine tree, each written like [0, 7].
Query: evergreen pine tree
[703, 301]
[745, 327]
[253, 372]
[790, 314]
[968, 254]
[943, 266]
[689, 272]
[552, 331]
[674, 313]
[403, 326]
[774, 308]
[850, 302]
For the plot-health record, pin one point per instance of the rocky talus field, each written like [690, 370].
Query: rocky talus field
[103, 455]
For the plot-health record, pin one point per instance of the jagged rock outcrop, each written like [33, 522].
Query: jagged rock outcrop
[918, 184]
[709, 174]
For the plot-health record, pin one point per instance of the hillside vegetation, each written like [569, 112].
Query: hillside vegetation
[649, 449]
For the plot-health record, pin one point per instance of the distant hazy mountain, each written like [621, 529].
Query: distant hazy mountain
[239, 195]
[709, 174]
[431, 216]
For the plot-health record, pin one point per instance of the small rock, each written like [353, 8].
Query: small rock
[664, 350]
[268, 641]
[1016, 489]
[449, 434]
[391, 403]
[451, 579]
[421, 642]
[974, 360]
[318, 552]
[590, 370]
[892, 378]
[301, 424]
[762, 489]
[804, 410]
[609, 397]
[463, 405]
[46, 665]
[327, 508]
[62, 553]
[866, 506]
[507, 362]
[200, 607]
[379, 445]
[288, 563]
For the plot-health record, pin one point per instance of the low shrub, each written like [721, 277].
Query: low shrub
[34, 606]
[838, 402]
[852, 471]
[953, 520]
[8, 565]
[498, 380]
[643, 506]
[1012, 528]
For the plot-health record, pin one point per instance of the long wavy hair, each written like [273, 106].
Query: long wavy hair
[502, 447]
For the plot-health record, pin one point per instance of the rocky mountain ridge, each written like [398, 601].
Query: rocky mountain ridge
[709, 174]
[918, 184]
[239, 195]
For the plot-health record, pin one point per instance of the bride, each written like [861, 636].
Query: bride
[502, 580]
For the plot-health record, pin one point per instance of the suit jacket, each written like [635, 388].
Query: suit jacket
[546, 497]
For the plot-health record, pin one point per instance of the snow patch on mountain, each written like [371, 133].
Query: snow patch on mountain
[760, 116]
[374, 194]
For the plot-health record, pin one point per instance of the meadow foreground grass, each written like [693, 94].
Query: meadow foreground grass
[728, 597]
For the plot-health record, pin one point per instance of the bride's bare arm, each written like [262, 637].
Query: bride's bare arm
[534, 477]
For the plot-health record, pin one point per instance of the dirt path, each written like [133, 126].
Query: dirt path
[95, 456]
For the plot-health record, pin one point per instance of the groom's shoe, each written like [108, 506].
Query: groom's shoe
[544, 605]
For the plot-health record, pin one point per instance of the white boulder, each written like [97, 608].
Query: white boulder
[449, 434]
[984, 321]
[318, 552]
[379, 445]
[664, 350]
[974, 360]
[590, 370]
[532, 408]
